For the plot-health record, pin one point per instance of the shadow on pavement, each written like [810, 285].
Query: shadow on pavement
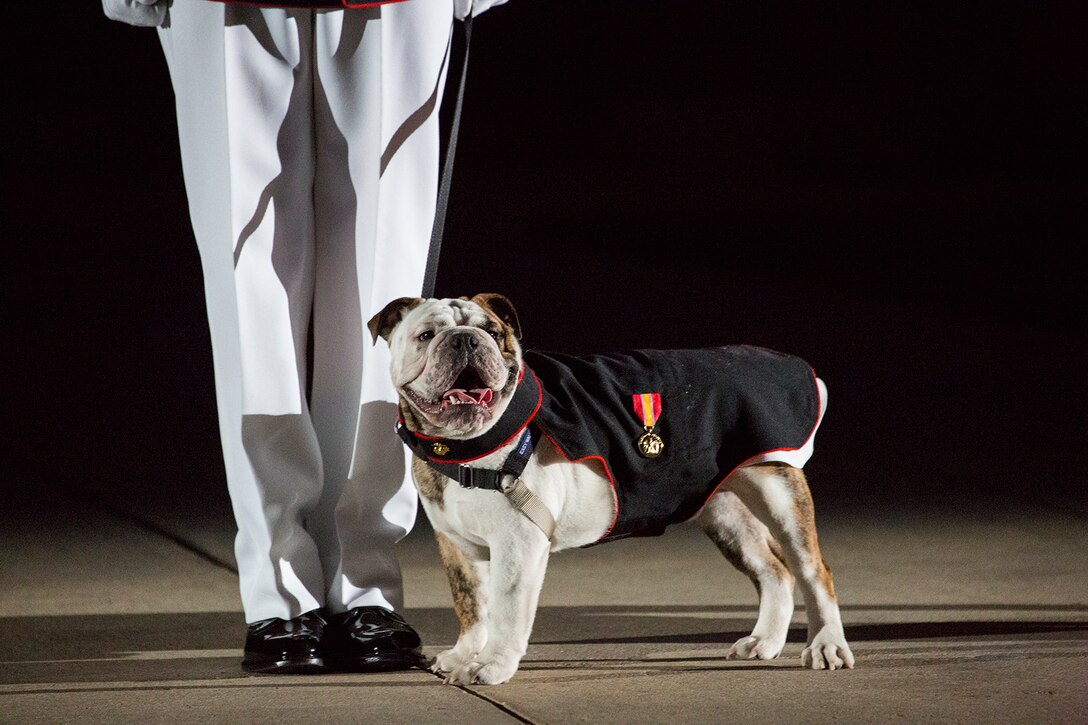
[169, 648]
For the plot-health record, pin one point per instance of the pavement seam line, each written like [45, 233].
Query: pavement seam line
[147, 524]
[501, 706]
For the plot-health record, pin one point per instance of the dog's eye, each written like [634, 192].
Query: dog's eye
[424, 336]
[494, 333]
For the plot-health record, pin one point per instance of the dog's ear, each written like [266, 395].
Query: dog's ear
[382, 324]
[502, 308]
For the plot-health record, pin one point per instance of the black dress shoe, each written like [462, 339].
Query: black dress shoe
[286, 646]
[372, 639]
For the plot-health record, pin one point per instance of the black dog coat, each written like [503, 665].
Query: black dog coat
[720, 408]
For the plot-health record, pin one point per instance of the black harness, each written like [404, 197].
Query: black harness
[451, 457]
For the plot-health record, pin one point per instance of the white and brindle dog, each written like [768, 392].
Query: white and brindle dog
[457, 365]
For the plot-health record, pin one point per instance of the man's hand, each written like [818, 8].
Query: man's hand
[147, 13]
[461, 8]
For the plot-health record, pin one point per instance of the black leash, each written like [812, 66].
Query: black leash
[435, 250]
[517, 492]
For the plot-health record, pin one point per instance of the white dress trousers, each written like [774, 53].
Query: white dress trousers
[309, 143]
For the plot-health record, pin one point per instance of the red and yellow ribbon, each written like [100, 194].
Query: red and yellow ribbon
[647, 407]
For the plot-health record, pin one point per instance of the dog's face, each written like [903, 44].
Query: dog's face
[455, 362]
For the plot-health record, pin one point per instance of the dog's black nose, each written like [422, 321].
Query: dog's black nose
[464, 340]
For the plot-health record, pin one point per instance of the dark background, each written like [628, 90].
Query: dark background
[892, 190]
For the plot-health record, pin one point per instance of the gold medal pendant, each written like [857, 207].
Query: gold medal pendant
[650, 444]
[647, 407]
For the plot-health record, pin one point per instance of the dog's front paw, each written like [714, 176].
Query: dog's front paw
[450, 660]
[828, 651]
[754, 647]
[483, 671]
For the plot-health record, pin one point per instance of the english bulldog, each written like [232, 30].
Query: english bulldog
[519, 454]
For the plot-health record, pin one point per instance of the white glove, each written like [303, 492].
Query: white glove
[461, 8]
[147, 13]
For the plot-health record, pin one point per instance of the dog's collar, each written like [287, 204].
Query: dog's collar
[447, 454]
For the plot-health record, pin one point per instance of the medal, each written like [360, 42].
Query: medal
[650, 444]
[648, 409]
[440, 449]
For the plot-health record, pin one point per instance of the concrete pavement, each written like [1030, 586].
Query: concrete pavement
[976, 615]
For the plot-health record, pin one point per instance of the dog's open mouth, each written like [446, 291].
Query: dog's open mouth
[468, 389]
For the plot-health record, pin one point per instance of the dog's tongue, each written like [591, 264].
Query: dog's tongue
[477, 396]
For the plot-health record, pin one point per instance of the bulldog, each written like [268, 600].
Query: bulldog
[519, 454]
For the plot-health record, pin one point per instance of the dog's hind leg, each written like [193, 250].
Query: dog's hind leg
[779, 496]
[468, 577]
[748, 545]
